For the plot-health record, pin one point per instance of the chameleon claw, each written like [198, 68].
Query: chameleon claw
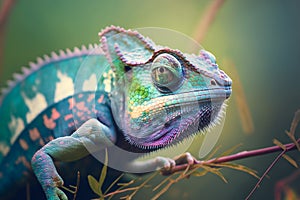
[185, 158]
[164, 163]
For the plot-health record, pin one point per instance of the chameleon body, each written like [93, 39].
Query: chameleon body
[126, 94]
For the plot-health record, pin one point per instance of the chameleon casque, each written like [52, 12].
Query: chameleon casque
[125, 94]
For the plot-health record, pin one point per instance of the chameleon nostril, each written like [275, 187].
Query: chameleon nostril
[213, 82]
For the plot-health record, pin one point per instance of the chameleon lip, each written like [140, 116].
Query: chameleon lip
[228, 91]
[215, 95]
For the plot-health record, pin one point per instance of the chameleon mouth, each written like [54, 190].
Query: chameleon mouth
[181, 127]
[188, 118]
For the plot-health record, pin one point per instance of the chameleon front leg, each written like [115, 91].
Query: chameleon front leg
[92, 133]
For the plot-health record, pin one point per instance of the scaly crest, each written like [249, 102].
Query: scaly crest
[34, 66]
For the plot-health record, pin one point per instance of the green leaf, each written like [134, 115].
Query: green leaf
[95, 186]
[104, 170]
[278, 143]
[229, 151]
[295, 122]
[214, 171]
[238, 167]
[199, 173]
[292, 137]
[215, 150]
[290, 160]
[293, 127]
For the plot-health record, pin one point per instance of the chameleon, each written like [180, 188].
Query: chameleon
[125, 94]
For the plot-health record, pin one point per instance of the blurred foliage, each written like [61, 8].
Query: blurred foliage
[129, 190]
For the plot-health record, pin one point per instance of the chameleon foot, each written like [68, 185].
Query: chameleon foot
[164, 163]
[55, 194]
[185, 158]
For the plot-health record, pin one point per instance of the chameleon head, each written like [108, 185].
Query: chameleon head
[162, 96]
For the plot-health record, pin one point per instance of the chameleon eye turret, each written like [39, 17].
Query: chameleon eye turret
[209, 56]
[167, 74]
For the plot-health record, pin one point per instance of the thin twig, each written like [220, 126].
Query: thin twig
[240, 97]
[171, 182]
[122, 191]
[77, 186]
[5, 10]
[287, 148]
[233, 157]
[113, 183]
[74, 189]
[207, 19]
[134, 189]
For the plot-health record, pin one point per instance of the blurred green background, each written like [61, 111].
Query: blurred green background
[262, 38]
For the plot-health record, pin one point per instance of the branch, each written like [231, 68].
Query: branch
[207, 19]
[237, 156]
[4, 14]
[240, 97]
[286, 149]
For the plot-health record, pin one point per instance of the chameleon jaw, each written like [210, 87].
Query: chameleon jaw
[179, 127]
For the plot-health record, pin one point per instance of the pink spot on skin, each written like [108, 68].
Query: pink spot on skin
[48, 122]
[71, 103]
[83, 118]
[50, 138]
[91, 97]
[23, 144]
[79, 114]
[23, 160]
[34, 134]
[81, 106]
[67, 117]
[61, 143]
[33, 158]
[71, 124]
[80, 95]
[55, 114]
[100, 100]
[41, 142]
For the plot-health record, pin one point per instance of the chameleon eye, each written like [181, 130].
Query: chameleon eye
[167, 73]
